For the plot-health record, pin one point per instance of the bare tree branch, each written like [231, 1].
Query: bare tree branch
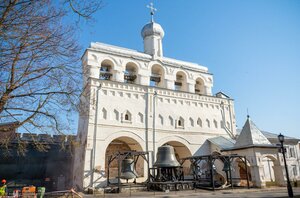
[40, 73]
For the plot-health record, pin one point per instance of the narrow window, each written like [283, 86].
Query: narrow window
[199, 122]
[208, 123]
[126, 117]
[179, 123]
[191, 122]
[141, 118]
[116, 114]
[161, 120]
[295, 170]
[216, 124]
[228, 125]
[292, 152]
[104, 113]
[171, 121]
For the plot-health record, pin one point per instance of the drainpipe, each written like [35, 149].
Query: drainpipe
[95, 136]
[146, 121]
[153, 157]
[147, 130]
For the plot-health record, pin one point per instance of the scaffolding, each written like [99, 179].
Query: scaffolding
[209, 181]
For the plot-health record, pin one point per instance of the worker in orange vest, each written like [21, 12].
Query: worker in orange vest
[3, 188]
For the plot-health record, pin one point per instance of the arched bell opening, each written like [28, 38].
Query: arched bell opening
[199, 86]
[131, 73]
[106, 70]
[157, 76]
[123, 144]
[181, 151]
[181, 81]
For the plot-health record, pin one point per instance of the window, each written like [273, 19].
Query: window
[199, 122]
[191, 122]
[161, 119]
[180, 123]
[171, 121]
[216, 124]
[228, 125]
[292, 152]
[116, 113]
[104, 113]
[208, 123]
[141, 117]
[221, 124]
[294, 168]
[127, 116]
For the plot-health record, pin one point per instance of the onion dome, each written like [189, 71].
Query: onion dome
[152, 28]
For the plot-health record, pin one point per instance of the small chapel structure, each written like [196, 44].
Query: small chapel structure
[264, 159]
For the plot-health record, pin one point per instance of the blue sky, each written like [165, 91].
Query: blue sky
[251, 47]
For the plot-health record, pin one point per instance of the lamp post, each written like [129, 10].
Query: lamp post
[289, 187]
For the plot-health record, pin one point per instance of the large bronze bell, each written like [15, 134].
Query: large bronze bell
[166, 158]
[127, 169]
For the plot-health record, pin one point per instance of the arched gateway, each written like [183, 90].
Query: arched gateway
[181, 148]
[123, 144]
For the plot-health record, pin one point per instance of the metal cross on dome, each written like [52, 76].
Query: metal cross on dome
[152, 10]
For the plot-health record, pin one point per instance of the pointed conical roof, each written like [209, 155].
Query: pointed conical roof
[251, 135]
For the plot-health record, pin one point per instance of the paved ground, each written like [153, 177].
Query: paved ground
[241, 193]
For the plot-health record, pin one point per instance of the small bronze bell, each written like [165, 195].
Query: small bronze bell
[127, 170]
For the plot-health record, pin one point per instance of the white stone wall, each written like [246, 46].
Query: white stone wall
[105, 102]
[293, 161]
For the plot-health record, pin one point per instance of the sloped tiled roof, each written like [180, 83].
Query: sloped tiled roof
[273, 137]
[251, 135]
[222, 142]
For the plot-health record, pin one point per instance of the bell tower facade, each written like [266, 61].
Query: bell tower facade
[140, 101]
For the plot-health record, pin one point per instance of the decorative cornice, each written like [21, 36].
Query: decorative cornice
[110, 49]
[129, 53]
[121, 86]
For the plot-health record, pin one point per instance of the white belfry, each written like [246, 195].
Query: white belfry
[140, 101]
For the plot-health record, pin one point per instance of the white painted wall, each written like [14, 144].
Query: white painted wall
[98, 125]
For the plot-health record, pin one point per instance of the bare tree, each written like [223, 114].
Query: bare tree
[39, 62]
